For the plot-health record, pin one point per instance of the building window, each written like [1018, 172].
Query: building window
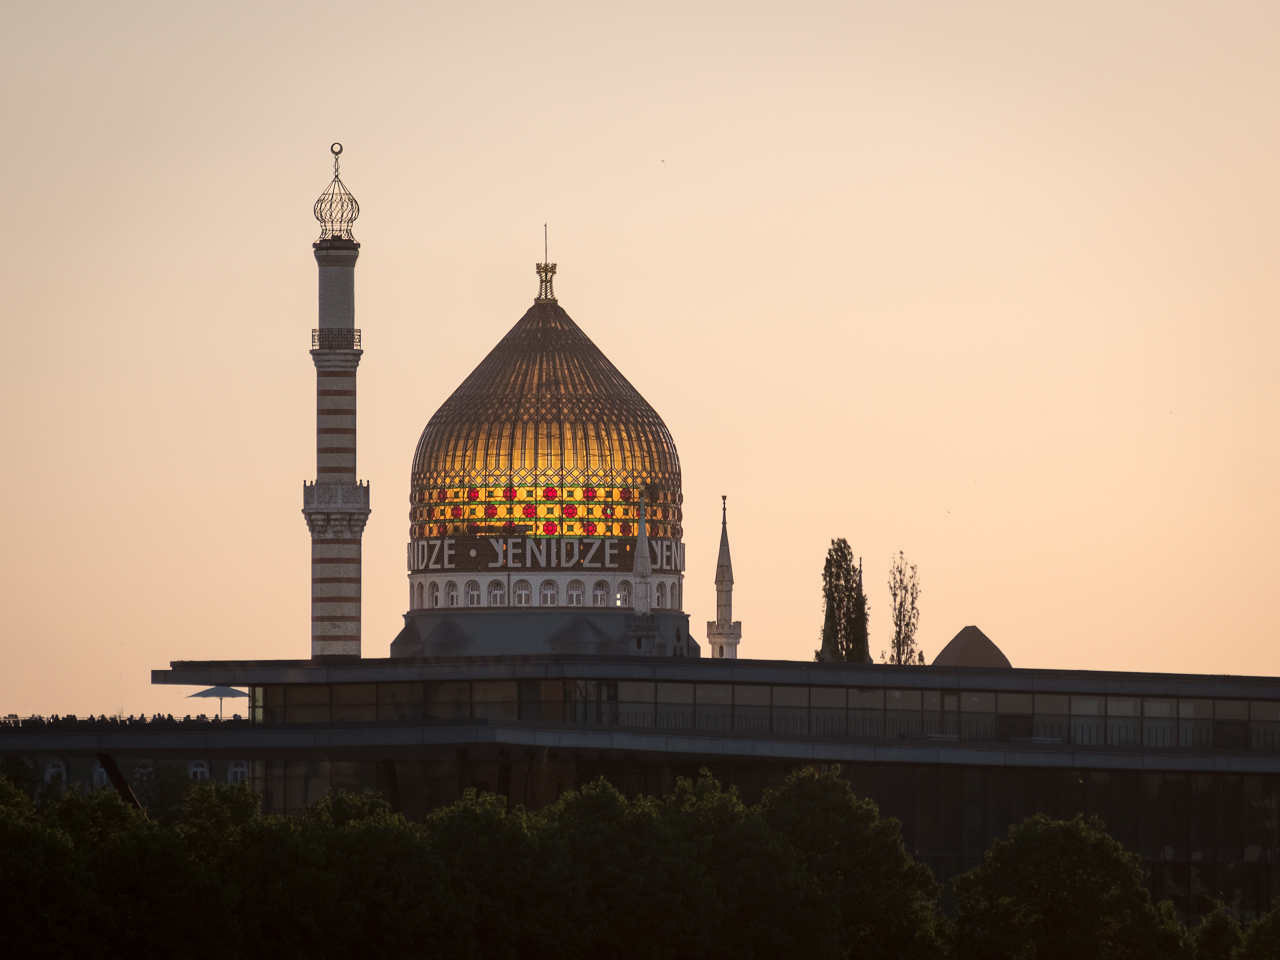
[416, 603]
[433, 595]
[660, 596]
[523, 593]
[600, 594]
[573, 594]
[624, 594]
[237, 771]
[99, 776]
[198, 770]
[473, 593]
[549, 598]
[55, 770]
[451, 591]
[497, 593]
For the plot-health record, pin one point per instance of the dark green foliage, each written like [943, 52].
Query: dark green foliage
[1262, 940]
[1062, 889]
[885, 900]
[44, 897]
[20, 775]
[812, 872]
[765, 905]
[161, 791]
[515, 893]
[1218, 935]
[844, 624]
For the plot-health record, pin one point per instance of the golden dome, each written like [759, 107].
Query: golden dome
[545, 438]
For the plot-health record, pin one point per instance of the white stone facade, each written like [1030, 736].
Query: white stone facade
[455, 590]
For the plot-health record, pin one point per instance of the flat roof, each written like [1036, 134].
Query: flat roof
[240, 673]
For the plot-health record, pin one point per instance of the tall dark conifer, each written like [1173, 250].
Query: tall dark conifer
[844, 624]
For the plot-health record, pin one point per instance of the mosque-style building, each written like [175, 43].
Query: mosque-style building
[544, 508]
[545, 644]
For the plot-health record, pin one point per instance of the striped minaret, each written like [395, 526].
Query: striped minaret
[336, 505]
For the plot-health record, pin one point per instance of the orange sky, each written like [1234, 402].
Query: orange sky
[991, 283]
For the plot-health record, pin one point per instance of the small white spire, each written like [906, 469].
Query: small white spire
[724, 633]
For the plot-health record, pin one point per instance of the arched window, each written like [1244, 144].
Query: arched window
[198, 770]
[522, 593]
[237, 770]
[55, 770]
[497, 593]
[660, 596]
[473, 593]
[549, 598]
[677, 596]
[624, 594]
[99, 776]
[433, 595]
[600, 594]
[451, 591]
[417, 597]
[573, 594]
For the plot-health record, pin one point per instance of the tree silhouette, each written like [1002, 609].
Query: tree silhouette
[844, 622]
[904, 594]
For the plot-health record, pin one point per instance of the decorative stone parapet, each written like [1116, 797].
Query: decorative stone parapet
[335, 509]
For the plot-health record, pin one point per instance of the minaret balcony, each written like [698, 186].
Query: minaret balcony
[335, 496]
[335, 338]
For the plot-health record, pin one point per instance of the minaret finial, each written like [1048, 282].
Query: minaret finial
[337, 208]
[724, 510]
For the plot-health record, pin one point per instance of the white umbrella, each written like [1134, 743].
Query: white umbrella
[220, 693]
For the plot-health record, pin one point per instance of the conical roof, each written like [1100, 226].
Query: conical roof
[724, 565]
[545, 421]
[971, 648]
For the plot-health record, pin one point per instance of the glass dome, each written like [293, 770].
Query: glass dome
[545, 438]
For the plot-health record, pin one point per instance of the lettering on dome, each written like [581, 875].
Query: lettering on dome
[540, 553]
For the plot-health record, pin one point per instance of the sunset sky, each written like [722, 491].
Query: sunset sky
[994, 284]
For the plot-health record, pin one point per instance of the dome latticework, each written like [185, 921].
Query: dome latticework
[545, 438]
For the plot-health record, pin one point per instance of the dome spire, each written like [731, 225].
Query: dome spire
[545, 272]
[336, 209]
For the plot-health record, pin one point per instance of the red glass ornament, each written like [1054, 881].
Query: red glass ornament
[591, 528]
[456, 512]
[549, 493]
[626, 529]
[508, 493]
[530, 510]
[549, 528]
[473, 494]
[607, 510]
[442, 495]
[570, 510]
[490, 510]
[626, 496]
[589, 493]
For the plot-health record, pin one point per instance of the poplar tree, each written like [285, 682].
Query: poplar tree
[904, 593]
[844, 622]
